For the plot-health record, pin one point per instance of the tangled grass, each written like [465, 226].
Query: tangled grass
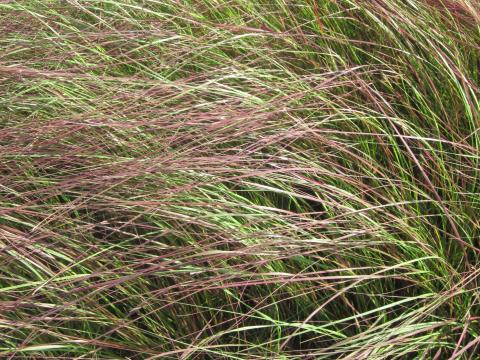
[242, 179]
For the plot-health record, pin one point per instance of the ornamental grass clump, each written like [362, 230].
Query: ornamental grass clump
[210, 179]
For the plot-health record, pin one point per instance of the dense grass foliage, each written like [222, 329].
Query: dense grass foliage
[242, 179]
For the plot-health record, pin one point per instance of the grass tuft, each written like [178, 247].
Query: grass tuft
[239, 179]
